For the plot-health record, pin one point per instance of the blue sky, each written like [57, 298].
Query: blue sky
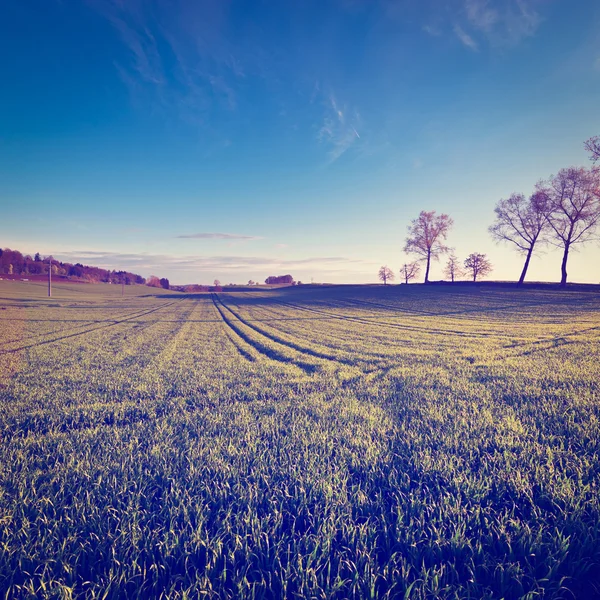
[204, 139]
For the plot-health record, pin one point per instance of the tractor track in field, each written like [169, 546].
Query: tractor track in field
[297, 347]
[305, 333]
[259, 346]
[373, 320]
[173, 337]
[66, 329]
[110, 323]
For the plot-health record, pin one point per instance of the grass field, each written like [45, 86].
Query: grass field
[345, 442]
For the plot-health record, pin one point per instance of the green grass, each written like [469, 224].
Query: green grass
[353, 442]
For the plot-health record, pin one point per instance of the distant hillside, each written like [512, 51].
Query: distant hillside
[14, 264]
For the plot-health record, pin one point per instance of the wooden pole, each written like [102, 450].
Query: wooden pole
[49, 277]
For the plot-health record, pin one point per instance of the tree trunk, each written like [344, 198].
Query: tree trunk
[427, 269]
[563, 266]
[526, 265]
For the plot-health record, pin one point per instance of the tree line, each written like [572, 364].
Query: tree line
[13, 262]
[563, 211]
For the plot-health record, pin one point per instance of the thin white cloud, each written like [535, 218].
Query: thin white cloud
[339, 129]
[465, 38]
[217, 236]
[163, 263]
[502, 22]
[481, 14]
[179, 55]
[432, 30]
[498, 23]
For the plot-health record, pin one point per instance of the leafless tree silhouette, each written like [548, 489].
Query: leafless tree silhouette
[571, 202]
[410, 271]
[386, 274]
[522, 222]
[478, 265]
[593, 147]
[426, 235]
[453, 269]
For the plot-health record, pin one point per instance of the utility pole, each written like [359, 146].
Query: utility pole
[122, 284]
[49, 277]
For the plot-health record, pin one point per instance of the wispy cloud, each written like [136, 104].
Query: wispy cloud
[481, 14]
[217, 236]
[179, 54]
[339, 129]
[502, 22]
[432, 30]
[162, 263]
[498, 23]
[465, 38]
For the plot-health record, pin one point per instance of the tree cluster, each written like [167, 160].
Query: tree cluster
[563, 211]
[13, 262]
[279, 279]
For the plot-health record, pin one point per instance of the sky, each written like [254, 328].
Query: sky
[235, 140]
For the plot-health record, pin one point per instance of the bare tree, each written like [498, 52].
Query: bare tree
[593, 147]
[571, 202]
[453, 268]
[521, 222]
[478, 265]
[426, 235]
[386, 274]
[410, 271]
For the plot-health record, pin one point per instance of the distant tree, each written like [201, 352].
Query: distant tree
[153, 281]
[426, 235]
[478, 265]
[37, 257]
[570, 201]
[410, 271]
[386, 274]
[453, 269]
[593, 147]
[164, 283]
[279, 279]
[521, 222]
[250, 282]
[217, 283]
[76, 270]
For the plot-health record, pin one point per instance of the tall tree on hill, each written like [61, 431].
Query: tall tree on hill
[478, 265]
[453, 268]
[410, 271]
[522, 222]
[593, 147]
[570, 201]
[386, 274]
[426, 235]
